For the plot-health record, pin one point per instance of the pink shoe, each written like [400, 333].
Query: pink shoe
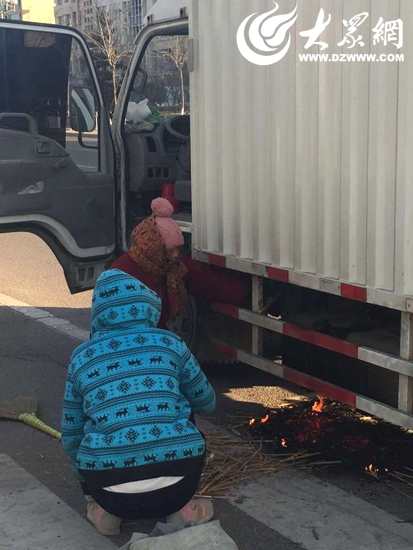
[197, 511]
[104, 522]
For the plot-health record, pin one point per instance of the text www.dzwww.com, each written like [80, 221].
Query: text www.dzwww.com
[346, 57]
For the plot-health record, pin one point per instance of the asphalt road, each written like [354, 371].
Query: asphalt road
[30, 273]
[34, 358]
[85, 158]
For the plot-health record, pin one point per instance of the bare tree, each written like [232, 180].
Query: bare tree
[109, 35]
[176, 52]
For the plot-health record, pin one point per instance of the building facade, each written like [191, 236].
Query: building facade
[75, 13]
[139, 9]
[10, 9]
[82, 13]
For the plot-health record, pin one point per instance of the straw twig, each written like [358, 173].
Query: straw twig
[399, 490]
[326, 463]
[404, 475]
[231, 462]
[400, 478]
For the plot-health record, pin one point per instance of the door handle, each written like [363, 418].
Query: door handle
[60, 164]
[43, 148]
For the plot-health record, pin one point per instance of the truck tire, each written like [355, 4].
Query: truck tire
[184, 324]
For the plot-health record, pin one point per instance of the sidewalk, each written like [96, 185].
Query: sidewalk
[34, 518]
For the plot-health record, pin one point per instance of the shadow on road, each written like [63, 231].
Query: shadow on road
[34, 360]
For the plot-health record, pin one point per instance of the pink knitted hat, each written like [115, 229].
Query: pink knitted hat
[170, 232]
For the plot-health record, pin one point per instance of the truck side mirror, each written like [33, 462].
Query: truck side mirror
[82, 110]
[140, 81]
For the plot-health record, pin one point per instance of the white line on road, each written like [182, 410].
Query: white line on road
[319, 516]
[316, 514]
[302, 508]
[45, 318]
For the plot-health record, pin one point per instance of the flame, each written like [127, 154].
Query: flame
[372, 470]
[284, 443]
[375, 471]
[318, 405]
[262, 421]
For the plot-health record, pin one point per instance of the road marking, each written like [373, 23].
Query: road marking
[302, 508]
[319, 516]
[316, 514]
[45, 318]
[32, 517]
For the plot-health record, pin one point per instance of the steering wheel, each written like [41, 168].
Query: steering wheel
[175, 124]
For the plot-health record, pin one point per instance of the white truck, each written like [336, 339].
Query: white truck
[293, 166]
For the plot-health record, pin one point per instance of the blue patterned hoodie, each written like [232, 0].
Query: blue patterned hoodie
[131, 391]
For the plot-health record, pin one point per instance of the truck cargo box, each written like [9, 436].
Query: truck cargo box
[303, 165]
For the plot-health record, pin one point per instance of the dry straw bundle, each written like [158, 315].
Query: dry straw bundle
[231, 462]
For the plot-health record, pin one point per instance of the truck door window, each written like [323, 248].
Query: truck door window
[164, 79]
[157, 125]
[44, 77]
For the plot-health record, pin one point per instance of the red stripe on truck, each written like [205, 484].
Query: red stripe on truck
[225, 309]
[320, 387]
[278, 274]
[219, 261]
[354, 292]
[321, 340]
[224, 349]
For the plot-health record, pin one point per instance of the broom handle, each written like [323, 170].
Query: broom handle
[32, 420]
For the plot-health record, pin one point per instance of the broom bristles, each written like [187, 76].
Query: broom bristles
[11, 408]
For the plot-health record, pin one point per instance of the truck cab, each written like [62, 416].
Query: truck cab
[67, 173]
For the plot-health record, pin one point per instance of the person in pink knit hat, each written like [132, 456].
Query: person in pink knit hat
[154, 259]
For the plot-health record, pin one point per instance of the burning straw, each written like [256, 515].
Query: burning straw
[231, 462]
[316, 433]
[340, 435]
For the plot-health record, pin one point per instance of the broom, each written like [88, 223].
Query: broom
[24, 409]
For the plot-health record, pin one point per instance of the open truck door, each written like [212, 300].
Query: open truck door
[57, 172]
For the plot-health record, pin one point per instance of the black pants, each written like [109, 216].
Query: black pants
[154, 505]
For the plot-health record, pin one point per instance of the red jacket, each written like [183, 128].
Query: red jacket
[202, 281]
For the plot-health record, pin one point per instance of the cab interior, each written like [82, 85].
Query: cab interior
[156, 129]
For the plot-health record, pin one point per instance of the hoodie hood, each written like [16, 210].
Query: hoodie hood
[121, 302]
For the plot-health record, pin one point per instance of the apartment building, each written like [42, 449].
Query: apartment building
[82, 13]
[10, 9]
[138, 11]
[67, 12]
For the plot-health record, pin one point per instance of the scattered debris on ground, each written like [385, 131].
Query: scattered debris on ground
[232, 461]
[313, 434]
[341, 437]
